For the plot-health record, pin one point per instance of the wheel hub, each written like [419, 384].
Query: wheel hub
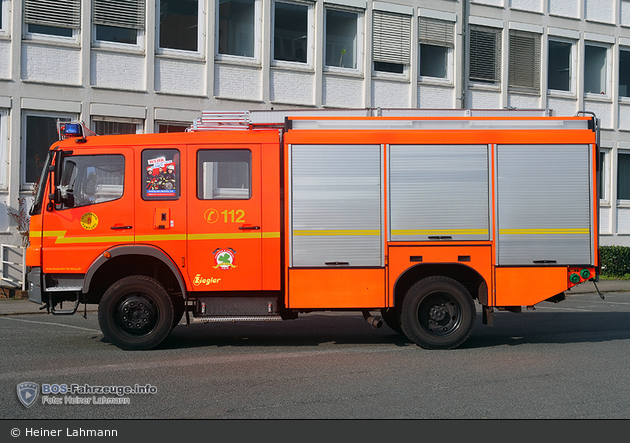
[437, 313]
[137, 315]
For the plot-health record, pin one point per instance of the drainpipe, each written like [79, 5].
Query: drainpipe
[463, 52]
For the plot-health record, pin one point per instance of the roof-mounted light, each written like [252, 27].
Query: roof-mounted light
[73, 130]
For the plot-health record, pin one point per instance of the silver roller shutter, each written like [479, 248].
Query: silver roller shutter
[543, 214]
[336, 205]
[439, 191]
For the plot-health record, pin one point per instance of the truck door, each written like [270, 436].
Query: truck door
[224, 218]
[161, 214]
[97, 210]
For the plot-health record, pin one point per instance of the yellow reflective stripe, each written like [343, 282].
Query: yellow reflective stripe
[449, 232]
[61, 237]
[233, 235]
[53, 233]
[543, 231]
[113, 238]
[160, 237]
[339, 232]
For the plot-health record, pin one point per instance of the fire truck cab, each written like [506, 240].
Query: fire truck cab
[265, 215]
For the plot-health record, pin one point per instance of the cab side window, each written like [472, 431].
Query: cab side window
[224, 174]
[91, 179]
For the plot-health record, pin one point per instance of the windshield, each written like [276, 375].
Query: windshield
[40, 186]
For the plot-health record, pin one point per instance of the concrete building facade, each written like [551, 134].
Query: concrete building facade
[154, 65]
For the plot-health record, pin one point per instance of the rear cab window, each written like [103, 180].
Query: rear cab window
[161, 174]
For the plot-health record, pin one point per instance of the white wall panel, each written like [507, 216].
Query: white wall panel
[343, 91]
[390, 94]
[600, 10]
[565, 8]
[527, 5]
[116, 70]
[241, 82]
[5, 59]
[51, 64]
[292, 87]
[183, 77]
[437, 97]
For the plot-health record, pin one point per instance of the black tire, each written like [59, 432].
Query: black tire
[178, 310]
[438, 313]
[136, 313]
[391, 317]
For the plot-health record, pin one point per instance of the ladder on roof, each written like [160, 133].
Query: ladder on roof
[240, 120]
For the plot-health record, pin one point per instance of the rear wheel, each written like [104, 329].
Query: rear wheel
[136, 313]
[438, 313]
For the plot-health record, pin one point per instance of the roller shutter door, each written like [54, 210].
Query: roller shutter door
[336, 205]
[544, 214]
[439, 192]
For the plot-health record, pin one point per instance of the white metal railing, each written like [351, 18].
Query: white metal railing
[13, 266]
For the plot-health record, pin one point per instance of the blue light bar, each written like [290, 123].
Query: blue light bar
[71, 130]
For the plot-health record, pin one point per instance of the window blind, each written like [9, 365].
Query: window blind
[436, 32]
[485, 55]
[119, 13]
[59, 13]
[392, 38]
[524, 63]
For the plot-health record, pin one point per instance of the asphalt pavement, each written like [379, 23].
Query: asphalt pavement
[22, 306]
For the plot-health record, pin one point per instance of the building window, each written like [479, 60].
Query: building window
[603, 177]
[436, 39]
[623, 176]
[291, 34]
[56, 18]
[4, 16]
[485, 55]
[179, 25]
[118, 21]
[40, 132]
[524, 62]
[342, 30]
[391, 42]
[114, 126]
[595, 72]
[164, 127]
[224, 174]
[237, 27]
[4, 145]
[559, 71]
[624, 72]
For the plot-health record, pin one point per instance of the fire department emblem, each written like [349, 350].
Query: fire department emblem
[27, 393]
[89, 221]
[224, 259]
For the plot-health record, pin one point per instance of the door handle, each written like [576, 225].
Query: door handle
[121, 227]
[249, 228]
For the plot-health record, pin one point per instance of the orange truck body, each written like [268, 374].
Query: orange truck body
[400, 215]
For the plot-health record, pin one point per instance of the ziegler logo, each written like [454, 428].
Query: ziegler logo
[224, 259]
[199, 280]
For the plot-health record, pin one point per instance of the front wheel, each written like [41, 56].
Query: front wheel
[438, 313]
[136, 313]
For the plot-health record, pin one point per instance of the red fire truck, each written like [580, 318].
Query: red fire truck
[409, 216]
